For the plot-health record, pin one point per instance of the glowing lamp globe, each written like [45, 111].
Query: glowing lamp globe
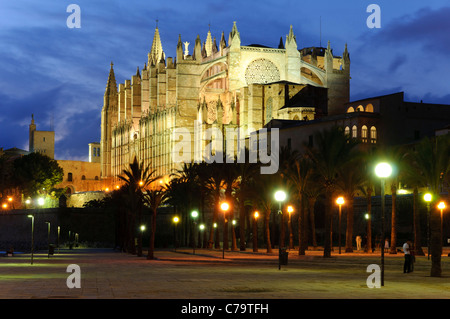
[383, 170]
[280, 196]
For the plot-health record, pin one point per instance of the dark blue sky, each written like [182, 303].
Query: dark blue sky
[59, 74]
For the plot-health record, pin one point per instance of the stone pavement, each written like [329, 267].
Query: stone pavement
[106, 274]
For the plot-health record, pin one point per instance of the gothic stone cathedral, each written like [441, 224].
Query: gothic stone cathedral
[219, 86]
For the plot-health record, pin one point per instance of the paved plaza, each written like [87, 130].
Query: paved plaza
[107, 274]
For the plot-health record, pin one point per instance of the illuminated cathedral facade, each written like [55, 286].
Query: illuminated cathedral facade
[217, 84]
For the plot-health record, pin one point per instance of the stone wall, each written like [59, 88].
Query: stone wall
[79, 199]
[95, 227]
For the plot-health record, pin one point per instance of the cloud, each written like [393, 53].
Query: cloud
[409, 52]
[427, 28]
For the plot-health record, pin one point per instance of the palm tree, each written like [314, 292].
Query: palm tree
[263, 200]
[136, 178]
[351, 177]
[246, 171]
[299, 176]
[333, 149]
[154, 198]
[214, 185]
[185, 180]
[430, 159]
[312, 192]
[230, 178]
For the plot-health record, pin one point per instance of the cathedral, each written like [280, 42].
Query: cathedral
[215, 85]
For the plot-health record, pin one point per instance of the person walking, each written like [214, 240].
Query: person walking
[358, 243]
[386, 245]
[407, 252]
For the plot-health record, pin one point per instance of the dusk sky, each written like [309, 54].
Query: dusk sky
[59, 73]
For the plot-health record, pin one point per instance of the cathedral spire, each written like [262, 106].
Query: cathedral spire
[208, 44]
[290, 38]
[156, 52]
[111, 86]
[223, 43]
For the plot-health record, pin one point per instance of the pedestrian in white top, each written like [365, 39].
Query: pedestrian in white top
[407, 264]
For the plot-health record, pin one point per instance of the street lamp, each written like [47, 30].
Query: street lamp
[48, 239]
[340, 201]
[255, 232]
[40, 201]
[59, 231]
[428, 198]
[290, 210]
[32, 236]
[194, 215]
[383, 171]
[175, 221]
[441, 206]
[280, 196]
[142, 229]
[224, 207]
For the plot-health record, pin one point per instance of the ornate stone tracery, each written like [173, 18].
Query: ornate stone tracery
[261, 71]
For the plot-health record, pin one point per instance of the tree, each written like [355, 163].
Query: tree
[299, 176]
[36, 173]
[430, 159]
[247, 172]
[136, 178]
[333, 149]
[154, 198]
[351, 177]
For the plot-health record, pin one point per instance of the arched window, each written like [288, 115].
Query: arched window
[360, 108]
[347, 131]
[354, 131]
[364, 134]
[83, 178]
[369, 108]
[69, 177]
[373, 135]
[350, 109]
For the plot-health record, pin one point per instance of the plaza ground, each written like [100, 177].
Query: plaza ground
[107, 274]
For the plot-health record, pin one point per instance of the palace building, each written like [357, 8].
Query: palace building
[215, 84]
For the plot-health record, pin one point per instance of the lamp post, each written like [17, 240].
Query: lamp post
[48, 239]
[280, 196]
[441, 206]
[428, 198]
[194, 215]
[11, 202]
[32, 236]
[290, 210]
[175, 221]
[340, 201]
[383, 171]
[224, 207]
[142, 229]
[255, 232]
[59, 231]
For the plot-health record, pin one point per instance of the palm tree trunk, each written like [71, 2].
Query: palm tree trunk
[417, 238]
[394, 222]
[435, 243]
[267, 226]
[349, 233]
[242, 221]
[312, 203]
[305, 225]
[328, 215]
[301, 228]
[151, 246]
[369, 220]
